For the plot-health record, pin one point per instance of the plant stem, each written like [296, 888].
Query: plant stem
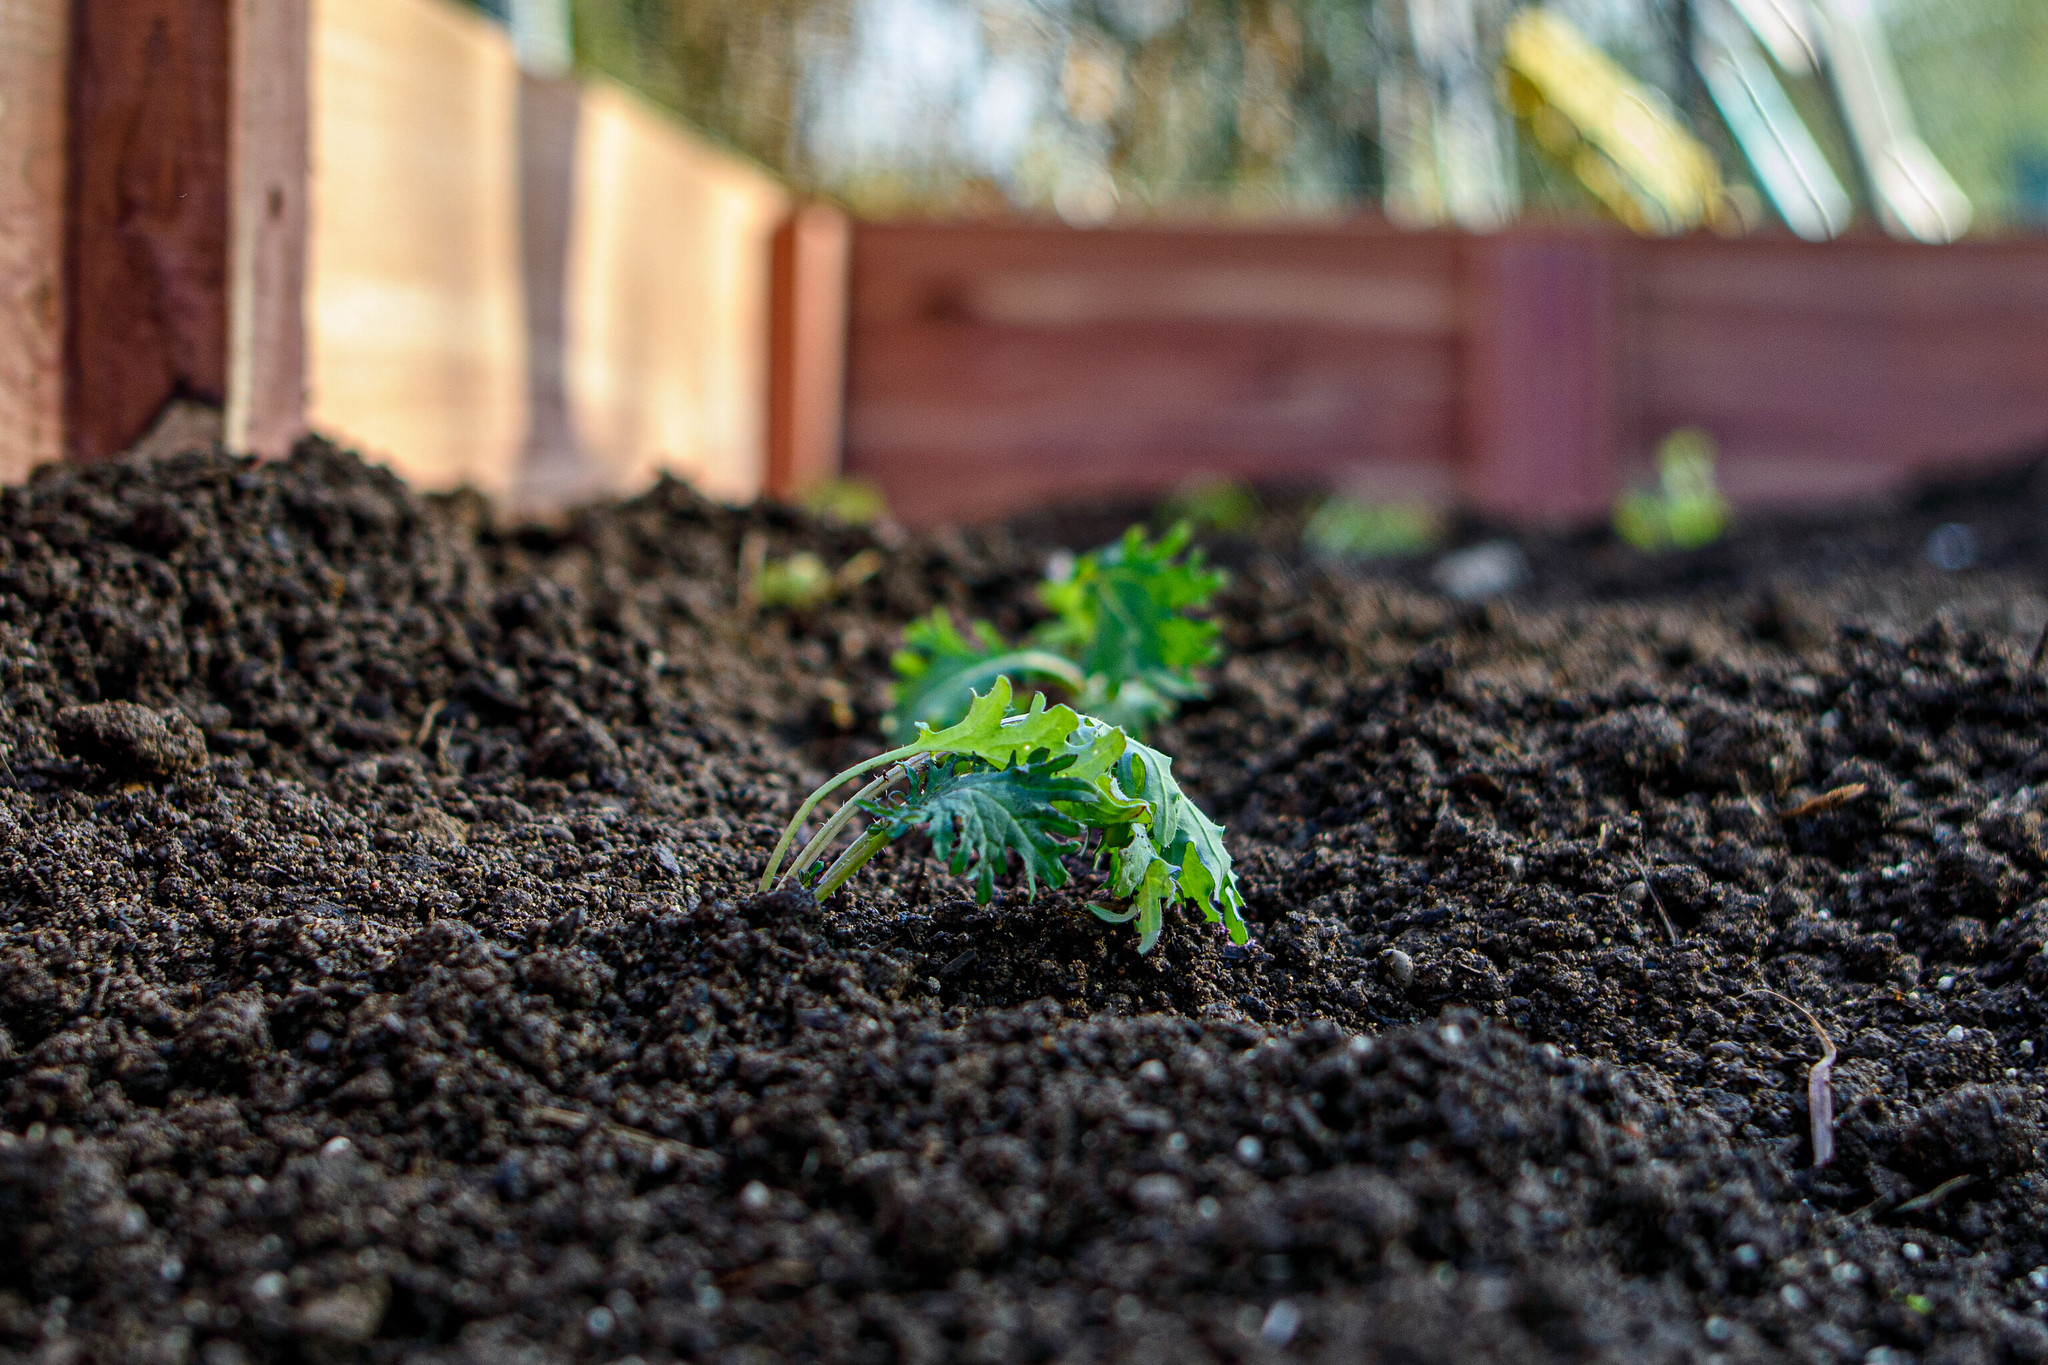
[850, 862]
[822, 840]
[811, 803]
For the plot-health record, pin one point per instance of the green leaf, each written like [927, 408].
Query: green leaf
[984, 733]
[1122, 614]
[1180, 837]
[938, 671]
[978, 815]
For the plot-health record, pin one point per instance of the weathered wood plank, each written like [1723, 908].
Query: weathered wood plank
[416, 334]
[807, 349]
[668, 284]
[146, 230]
[34, 46]
[266, 377]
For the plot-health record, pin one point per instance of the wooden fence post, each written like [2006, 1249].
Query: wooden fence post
[1545, 390]
[807, 349]
[269, 164]
[35, 39]
[185, 224]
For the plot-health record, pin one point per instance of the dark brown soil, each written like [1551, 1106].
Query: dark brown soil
[380, 977]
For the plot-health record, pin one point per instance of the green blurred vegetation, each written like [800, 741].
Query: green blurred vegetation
[1685, 509]
[1252, 103]
[1148, 108]
[1976, 72]
[1344, 527]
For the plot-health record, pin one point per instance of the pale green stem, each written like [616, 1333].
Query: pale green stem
[850, 862]
[822, 840]
[811, 803]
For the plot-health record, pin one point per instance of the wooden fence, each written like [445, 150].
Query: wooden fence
[359, 215]
[1527, 374]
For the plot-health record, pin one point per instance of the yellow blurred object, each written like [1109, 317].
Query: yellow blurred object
[1620, 138]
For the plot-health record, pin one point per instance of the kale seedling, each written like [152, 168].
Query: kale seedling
[1686, 509]
[1041, 784]
[1121, 641]
[1347, 528]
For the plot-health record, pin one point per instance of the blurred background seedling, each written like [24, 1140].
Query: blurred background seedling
[1213, 504]
[855, 502]
[1345, 527]
[1685, 509]
[800, 581]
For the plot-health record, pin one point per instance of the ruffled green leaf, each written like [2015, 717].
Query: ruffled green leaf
[986, 734]
[977, 816]
[1178, 836]
[1122, 614]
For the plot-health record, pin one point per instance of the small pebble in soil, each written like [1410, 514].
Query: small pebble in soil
[1478, 572]
[1748, 1257]
[1719, 1329]
[2038, 1278]
[1250, 1149]
[1952, 546]
[1399, 965]
[1282, 1321]
[1912, 1252]
[268, 1286]
[754, 1198]
[1956, 1033]
[1793, 1296]
[1208, 1206]
[1947, 983]
[2026, 1047]
[1157, 1193]
[599, 1322]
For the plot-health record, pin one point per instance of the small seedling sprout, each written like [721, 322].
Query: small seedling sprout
[1343, 527]
[1820, 1091]
[1685, 509]
[1041, 785]
[1122, 641]
[1213, 504]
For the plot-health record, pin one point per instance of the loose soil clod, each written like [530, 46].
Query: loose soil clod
[382, 978]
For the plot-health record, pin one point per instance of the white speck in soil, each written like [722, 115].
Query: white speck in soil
[1952, 546]
[1250, 1149]
[1282, 1321]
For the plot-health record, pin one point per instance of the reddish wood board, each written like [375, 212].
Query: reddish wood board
[1528, 374]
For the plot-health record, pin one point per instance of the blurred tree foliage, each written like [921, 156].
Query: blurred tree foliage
[1976, 72]
[1218, 103]
[1259, 107]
